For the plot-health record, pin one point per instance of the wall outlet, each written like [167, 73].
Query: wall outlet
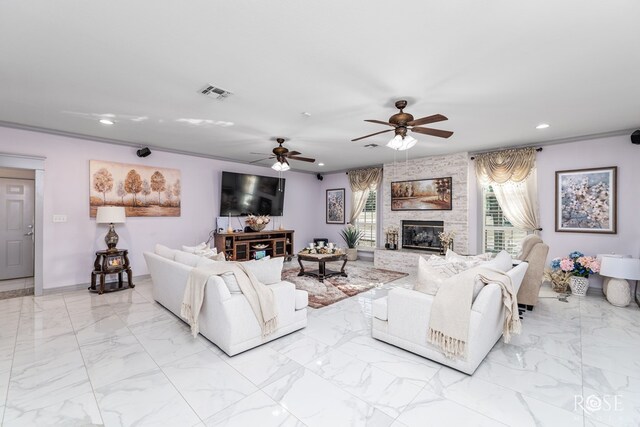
[59, 218]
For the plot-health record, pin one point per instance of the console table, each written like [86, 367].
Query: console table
[111, 262]
[243, 246]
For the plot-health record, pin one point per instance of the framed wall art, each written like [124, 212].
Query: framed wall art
[142, 190]
[586, 200]
[433, 194]
[335, 206]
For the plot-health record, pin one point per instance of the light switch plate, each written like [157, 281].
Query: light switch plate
[59, 218]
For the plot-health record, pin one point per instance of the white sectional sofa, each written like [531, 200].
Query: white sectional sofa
[402, 319]
[226, 319]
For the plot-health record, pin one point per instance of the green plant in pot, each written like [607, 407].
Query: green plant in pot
[351, 236]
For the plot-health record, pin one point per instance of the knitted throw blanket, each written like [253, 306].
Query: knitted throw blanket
[451, 310]
[259, 296]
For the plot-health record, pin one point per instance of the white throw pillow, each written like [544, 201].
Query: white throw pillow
[267, 270]
[466, 274]
[432, 273]
[454, 257]
[502, 262]
[186, 258]
[194, 249]
[165, 252]
[204, 262]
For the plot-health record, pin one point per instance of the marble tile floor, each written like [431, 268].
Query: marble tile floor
[120, 359]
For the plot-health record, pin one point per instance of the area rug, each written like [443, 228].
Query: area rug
[337, 288]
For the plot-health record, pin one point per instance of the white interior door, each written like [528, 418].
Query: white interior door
[16, 228]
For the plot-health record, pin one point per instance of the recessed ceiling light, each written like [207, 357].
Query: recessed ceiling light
[306, 114]
[320, 164]
[542, 126]
[106, 121]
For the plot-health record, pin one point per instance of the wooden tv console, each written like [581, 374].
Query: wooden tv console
[243, 246]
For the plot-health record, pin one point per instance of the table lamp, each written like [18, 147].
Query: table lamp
[111, 215]
[619, 270]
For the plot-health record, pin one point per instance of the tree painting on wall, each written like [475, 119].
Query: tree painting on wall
[586, 200]
[142, 190]
[431, 194]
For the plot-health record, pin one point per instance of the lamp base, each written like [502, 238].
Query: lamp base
[111, 239]
[619, 292]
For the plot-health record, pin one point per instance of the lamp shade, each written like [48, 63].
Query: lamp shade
[620, 268]
[110, 215]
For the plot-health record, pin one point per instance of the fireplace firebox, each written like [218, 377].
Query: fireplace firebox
[422, 235]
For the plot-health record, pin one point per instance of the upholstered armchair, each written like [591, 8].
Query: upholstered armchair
[534, 251]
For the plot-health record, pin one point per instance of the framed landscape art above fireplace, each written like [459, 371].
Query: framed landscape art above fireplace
[432, 194]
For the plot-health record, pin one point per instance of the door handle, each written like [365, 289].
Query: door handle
[30, 233]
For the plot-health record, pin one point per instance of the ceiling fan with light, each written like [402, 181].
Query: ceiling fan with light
[402, 122]
[282, 154]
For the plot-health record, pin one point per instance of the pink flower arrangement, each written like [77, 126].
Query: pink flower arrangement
[577, 264]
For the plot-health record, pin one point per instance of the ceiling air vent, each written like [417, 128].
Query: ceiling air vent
[215, 92]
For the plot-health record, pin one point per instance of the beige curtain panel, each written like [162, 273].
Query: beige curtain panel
[512, 175]
[362, 181]
[508, 165]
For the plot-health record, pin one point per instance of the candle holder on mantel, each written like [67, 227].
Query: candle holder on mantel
[391, 239]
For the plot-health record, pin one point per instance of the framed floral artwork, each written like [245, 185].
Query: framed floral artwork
[586, 200]
[335, 206]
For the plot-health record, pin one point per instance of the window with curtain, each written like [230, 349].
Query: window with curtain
[367, 221]
[497, 232]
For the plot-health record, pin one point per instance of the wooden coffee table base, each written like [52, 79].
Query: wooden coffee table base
[322, 272]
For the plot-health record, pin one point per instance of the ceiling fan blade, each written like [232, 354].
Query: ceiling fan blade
[256, 161]
[380, 122]
[433, 132]
[293, 153]
[367, 136]
[304, 159]
[285, 160]
[262, 154]
[427, 120]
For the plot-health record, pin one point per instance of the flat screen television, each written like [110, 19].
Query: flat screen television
[244, 194]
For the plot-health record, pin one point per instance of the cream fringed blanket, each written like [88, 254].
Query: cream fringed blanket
[451, 309]
[260, 297]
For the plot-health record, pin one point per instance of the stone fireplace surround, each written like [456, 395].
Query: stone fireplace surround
[457, 219]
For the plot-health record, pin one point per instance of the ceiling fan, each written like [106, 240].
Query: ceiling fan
[402, 122]
[282, 154]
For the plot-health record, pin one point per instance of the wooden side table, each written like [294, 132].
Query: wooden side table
[111, 262]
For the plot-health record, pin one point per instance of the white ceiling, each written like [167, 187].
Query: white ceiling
[495, 68]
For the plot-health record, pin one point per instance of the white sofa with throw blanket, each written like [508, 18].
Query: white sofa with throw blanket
[402, 319]
[226, 318]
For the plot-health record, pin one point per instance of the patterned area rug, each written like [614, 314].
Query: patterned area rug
[337, 288]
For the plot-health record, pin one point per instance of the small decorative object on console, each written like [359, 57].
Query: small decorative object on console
[391, 237]
[446, 239]
[577, 267]
[257, 223]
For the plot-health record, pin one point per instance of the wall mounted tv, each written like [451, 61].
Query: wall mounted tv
[243, 194]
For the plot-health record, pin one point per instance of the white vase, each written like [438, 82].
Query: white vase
[579, 285]
[352, 254]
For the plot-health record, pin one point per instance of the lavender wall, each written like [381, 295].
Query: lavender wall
[332, 231]
[602, 152]
[68, 247]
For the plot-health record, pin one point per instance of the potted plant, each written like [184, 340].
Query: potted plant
[351, 236]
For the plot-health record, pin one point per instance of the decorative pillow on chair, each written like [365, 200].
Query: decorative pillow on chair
[267, 270]
[186, 258]
[194, 249]
[165, 252]
[502, 262]
[218, 257]
[432, 272]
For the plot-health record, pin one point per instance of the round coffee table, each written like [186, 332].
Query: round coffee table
[322, 272]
